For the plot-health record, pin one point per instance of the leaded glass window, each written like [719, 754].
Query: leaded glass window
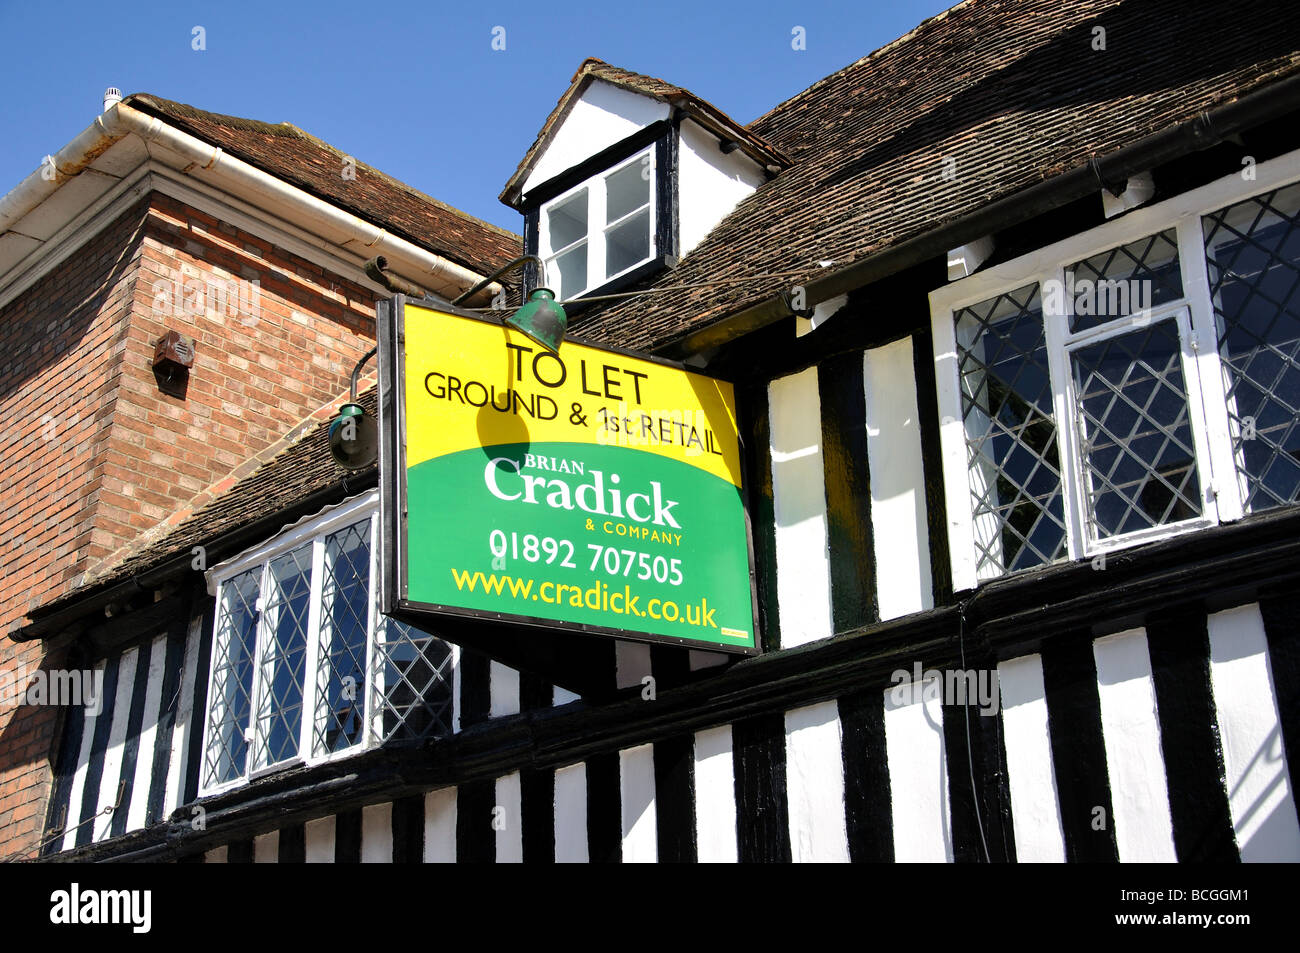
[1121, 389]
[414, 670]
[1252, 252]
[1137, 450]
[345, 623]
[231, 692]
[1123, 280]
[284, 657]
[305, 668]
[1011, 439]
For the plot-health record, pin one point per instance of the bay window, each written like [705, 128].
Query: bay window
[304, 667]
[1128, 384]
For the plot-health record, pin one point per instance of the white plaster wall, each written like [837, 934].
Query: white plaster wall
[440, 826]
[148, 735]
[803, 580]
[73, 818]
[1259, 784]
[1031, 775]
[1134, 761]
[377, 834]
[603, 115]
[121, 712]
[504, 690]
[631, 663]
[562, 696]
[715, 797]
[637, 786]
[701, 660]
[187, 720]
[901, 536]
[710, 184]
[318, 840]
[510, 838]
[814, 777]
[918, 773]
[266, 848]
[571, 814]
[455, 687]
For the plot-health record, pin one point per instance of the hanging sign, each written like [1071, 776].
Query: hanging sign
[588, 490]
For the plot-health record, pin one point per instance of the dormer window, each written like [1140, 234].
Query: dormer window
[602, 229]
[629, 174]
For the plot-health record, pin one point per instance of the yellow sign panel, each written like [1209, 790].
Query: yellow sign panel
[493, 385]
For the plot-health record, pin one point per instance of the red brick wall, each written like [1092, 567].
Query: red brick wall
[58, 357]
[102, 455]
[265, 358]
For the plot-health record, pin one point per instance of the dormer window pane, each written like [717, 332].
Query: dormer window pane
[627, 244]
[627, 190]
[601, 229]
[569, 221]
[572, 270]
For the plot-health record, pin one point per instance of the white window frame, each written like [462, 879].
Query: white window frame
[1223, 494]
[597, 227]
[313, 531]
[1179, 313]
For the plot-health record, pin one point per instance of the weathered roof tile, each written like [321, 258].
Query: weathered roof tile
[315, 166]
[1011, 91]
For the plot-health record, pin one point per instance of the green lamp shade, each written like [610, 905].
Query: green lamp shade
[542, 319]
[354, 438]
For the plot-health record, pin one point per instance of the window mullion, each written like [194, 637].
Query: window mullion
[1221, 460]
[1192, 353]
[596, 233]
[373, 711]
[1074, 496]
[312, 687]
[952, 446]
[255, 691]
[216, 703]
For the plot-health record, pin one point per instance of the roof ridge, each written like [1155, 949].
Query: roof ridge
[168, 106]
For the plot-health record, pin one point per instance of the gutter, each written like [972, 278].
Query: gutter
[1109, 171]
[120, 120]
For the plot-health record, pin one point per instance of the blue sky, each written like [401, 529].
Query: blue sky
[414, 89]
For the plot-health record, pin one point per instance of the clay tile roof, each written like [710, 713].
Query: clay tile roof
[1011, 90]
[313, 165]
[705, 113]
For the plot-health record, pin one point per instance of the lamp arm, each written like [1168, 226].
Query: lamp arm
[504, 270]
[356, 372]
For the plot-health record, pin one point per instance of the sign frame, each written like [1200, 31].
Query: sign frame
[561, 650]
